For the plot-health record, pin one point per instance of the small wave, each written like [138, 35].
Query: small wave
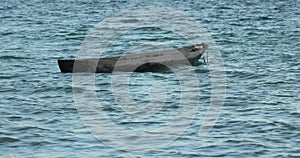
[40, 143]
[10, 57]
[4, 140]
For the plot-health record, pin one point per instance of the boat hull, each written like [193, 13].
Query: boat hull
[143, 62]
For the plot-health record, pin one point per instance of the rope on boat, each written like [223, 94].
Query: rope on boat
[205, 61]
[207, 57]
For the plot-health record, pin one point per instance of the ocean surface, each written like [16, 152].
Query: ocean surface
[260, 46]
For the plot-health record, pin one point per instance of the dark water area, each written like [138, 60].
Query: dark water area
[259, 42]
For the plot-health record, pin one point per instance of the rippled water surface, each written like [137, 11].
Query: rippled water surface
[259, 42]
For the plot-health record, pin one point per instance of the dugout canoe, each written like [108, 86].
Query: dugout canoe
[143, 62]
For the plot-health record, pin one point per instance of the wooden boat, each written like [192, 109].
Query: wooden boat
[142, 62]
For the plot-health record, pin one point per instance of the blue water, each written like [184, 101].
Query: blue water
[259, 42]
